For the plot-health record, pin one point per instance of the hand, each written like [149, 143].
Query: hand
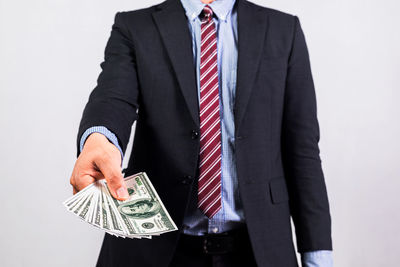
[99, 159]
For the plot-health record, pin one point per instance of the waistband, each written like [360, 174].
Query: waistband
[221, 243]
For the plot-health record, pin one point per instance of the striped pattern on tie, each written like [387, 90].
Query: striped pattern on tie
[209, 184]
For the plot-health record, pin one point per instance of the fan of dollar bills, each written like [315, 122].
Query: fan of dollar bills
[142, 215]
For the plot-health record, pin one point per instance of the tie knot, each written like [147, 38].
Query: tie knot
[206, 14]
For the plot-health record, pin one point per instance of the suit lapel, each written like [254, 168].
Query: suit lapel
[252, 27]
[173, 27]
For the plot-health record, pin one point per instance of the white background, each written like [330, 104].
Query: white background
[50, 53]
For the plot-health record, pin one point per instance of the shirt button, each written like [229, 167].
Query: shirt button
[214, 230]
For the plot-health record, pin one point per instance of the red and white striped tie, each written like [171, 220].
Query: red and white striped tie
[209, 184]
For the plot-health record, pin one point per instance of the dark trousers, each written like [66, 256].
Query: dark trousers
[225, 250]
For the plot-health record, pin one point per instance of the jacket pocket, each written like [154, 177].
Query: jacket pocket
[278, 190]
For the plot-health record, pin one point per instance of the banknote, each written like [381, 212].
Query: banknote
[142, 215]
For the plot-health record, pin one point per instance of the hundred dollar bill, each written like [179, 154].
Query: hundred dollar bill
[86, 206]
[116, 225]
[121, 231]
[80, 205]
[143, 213]
[97, 212]
[71, 200]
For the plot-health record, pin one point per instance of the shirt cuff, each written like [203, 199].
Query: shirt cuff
[104, 131]
[318, 258]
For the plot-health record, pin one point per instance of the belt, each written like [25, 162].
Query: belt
[213, 244]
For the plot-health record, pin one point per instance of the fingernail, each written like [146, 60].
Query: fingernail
[122, 192]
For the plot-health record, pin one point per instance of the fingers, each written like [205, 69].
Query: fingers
[111, 170]
[80, 182]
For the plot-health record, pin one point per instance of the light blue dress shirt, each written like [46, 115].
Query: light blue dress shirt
[231, 214]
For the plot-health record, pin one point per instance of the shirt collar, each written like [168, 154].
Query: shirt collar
[221, 8]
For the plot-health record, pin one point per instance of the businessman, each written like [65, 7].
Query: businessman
[227, 130]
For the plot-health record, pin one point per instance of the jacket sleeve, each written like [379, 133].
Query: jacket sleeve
[302, 164]
[113, 103]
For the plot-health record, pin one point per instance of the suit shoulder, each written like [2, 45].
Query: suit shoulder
[138, 19]
[142, 14]
[137, 13]
[275, 14]
[280, 22]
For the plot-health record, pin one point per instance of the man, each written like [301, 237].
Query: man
[227, 131]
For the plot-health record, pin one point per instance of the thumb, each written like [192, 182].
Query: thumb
[113, 175]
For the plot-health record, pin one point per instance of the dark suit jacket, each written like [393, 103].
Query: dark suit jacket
[148, 76]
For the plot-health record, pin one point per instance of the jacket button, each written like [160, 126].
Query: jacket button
[187, 180]
[195, 134]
